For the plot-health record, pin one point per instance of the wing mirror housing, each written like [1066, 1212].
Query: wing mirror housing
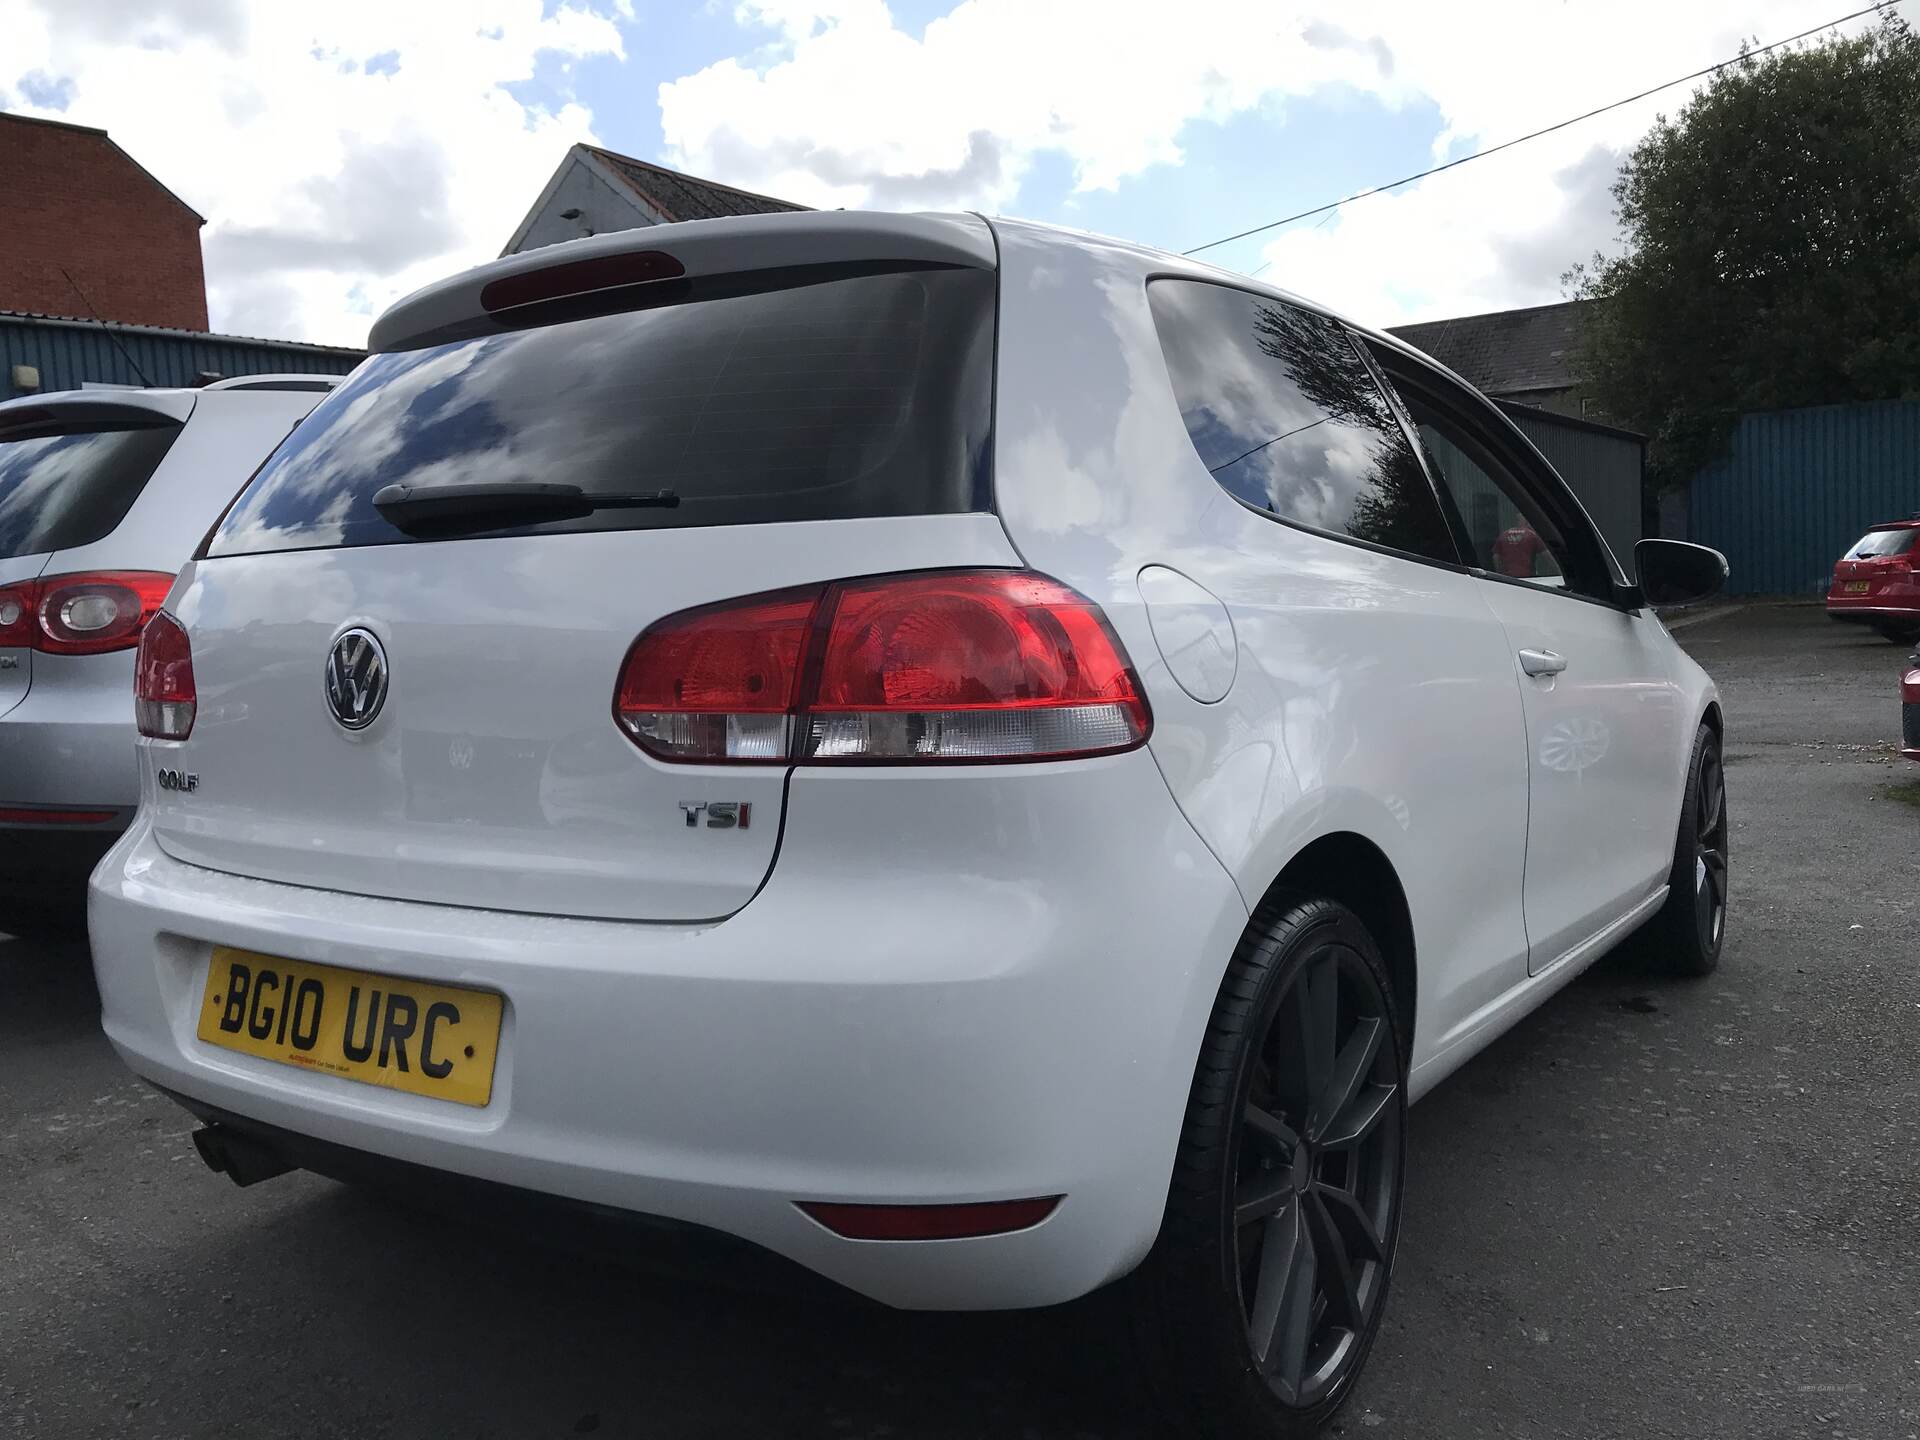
[1673, 572]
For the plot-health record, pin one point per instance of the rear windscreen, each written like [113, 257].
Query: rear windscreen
[60, 491]
[1882, 542]
[847, 394]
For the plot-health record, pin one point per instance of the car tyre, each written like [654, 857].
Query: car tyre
[1688, 933]
[1260, 1300]
[1899, 634]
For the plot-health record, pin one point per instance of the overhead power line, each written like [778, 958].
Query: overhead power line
[1535, 135]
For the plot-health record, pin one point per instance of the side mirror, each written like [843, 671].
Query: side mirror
[1672, 572]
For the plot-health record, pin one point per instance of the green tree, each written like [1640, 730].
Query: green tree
[1772, 248]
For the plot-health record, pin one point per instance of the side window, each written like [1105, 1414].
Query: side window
[1287, 416]
[1504, 535]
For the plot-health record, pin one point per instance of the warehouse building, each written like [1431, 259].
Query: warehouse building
[42, 353]
[1528, 361]
[1530, 357]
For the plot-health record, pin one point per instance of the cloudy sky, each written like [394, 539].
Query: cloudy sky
[347, 152]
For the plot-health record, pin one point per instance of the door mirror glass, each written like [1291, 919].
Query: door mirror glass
[1672, 572]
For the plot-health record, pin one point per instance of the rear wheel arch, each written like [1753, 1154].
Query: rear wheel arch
[1349, 868]
[1714, 723]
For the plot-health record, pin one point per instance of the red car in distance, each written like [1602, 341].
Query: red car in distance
[1877, 581]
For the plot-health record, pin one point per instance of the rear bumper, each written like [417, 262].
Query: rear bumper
[957, 985]
[1842, 609]
[1892, 599]
[576, 1226]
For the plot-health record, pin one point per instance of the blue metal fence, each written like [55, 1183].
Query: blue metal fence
[1799, 486]
[68, 354]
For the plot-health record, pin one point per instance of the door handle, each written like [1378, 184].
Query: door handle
[1542, 662]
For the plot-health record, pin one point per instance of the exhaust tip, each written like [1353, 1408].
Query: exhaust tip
[240, 1158]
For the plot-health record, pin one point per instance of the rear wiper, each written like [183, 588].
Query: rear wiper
[500, 504]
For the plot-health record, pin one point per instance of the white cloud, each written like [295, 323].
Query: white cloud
[332, 187]
[329, 190]
[846, 109]
[851, 110]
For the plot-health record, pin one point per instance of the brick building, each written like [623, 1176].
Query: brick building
[86, 231]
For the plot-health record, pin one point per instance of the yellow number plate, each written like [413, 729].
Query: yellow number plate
[404, 1034]
[1858, 587]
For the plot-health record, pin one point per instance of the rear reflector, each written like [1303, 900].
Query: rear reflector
[931, 1222]
[939, 666]
[14, 815]
[83, 614]
[164, 698]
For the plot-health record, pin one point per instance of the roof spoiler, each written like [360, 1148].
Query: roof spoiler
[633, 259]
[66, 411]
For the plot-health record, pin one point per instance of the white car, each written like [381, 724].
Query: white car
[103, 495]
[984, 760]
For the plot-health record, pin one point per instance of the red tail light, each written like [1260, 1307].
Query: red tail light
[943, 666]
[84, 614]
[18, 625]
[163, 693]
[718, 683]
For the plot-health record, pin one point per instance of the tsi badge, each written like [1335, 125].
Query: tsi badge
[721, 814]
[179, 780]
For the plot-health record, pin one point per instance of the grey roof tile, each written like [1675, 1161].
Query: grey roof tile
[1508, 351]
[686, 197]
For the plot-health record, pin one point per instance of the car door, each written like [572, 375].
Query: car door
[1602, 707]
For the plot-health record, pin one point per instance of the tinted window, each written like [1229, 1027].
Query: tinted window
[1501, 536]
[861, 394]
[1882, 542]
[59, 491]
[1287, 416]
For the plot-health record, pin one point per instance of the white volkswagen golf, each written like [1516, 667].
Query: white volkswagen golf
[986, 761]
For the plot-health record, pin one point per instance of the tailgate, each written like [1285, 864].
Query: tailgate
[494, 774]
[726, 432]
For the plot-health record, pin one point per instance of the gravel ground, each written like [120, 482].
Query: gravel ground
[1654, 1209]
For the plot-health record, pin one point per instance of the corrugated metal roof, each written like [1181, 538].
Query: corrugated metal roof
[1508, 351]
[687, 197]
[69, 354]
[121, 327]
